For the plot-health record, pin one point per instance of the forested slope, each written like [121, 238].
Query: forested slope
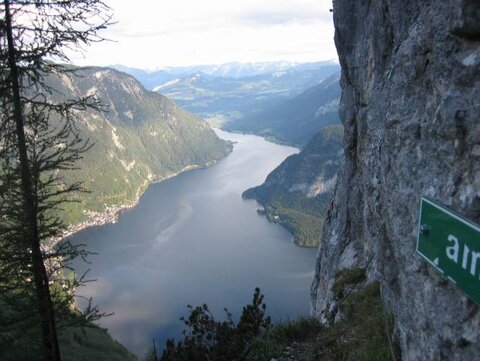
[139, 137]
[297, 192]
[296, 120]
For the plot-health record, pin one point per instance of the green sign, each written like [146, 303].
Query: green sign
[451, 244]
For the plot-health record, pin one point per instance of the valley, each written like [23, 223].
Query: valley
[201, 214]
[191, 240]
[142, 123]
[296, 120]
[138, 137]
[144, 233]
[142, 204]
[236, 99]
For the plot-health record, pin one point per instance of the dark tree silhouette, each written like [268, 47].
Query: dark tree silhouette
[39, 141]
[206, 339]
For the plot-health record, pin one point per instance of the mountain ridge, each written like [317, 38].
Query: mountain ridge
[228, 99]
[297, 192]
[143, 137]
[152, 78]
[296, 120]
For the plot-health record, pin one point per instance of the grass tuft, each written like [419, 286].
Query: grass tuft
[347, 277]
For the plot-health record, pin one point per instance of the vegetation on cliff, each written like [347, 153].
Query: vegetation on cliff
[362, 330]
[361, 333]
[77, 342]
[297, 192]
[91, 343]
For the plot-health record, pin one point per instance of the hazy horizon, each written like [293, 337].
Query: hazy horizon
[173, 66]
[151, 35]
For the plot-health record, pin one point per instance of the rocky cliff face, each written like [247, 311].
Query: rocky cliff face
[411, 111]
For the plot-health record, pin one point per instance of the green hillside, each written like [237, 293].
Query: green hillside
[21, 335]
[296, 120]
[139, 138]
[76, 343]
[92, 343]
[297, 192]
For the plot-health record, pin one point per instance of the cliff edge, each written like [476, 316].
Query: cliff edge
[410, 107]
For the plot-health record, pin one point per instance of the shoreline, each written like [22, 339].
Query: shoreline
[268, 138]
[277, 219]
[110, 214]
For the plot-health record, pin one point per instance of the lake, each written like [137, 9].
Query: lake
[191, 240]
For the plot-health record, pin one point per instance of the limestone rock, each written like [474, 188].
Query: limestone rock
[411, 111]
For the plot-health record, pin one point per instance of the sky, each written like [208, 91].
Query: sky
[152, 34]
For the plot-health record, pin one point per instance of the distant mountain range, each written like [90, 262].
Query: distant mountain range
[220, 100]
[149, 79]
[284, 101]
[297, 192]
[296, 120]
[153, 78]
[142, 137]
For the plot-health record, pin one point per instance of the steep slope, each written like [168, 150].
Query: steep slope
[410, 107]
[297, 192]
[296, 120]
[92, 343]
[142, 137]
[78, 341]
[228, 99]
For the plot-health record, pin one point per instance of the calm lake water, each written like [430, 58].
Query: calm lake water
[193, 240]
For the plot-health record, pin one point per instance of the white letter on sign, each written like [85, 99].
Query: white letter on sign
[452, 251]
[473, 266]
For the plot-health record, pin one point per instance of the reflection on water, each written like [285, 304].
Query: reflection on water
[191, 240]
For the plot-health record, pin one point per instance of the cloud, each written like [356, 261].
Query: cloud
[264, 18]
[151, 28]
[187, 32]
[125, 30]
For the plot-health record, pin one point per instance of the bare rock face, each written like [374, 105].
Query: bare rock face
[411, 111]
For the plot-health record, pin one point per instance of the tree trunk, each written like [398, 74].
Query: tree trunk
[45, 305]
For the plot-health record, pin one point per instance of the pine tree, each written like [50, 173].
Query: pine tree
[39, 141]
